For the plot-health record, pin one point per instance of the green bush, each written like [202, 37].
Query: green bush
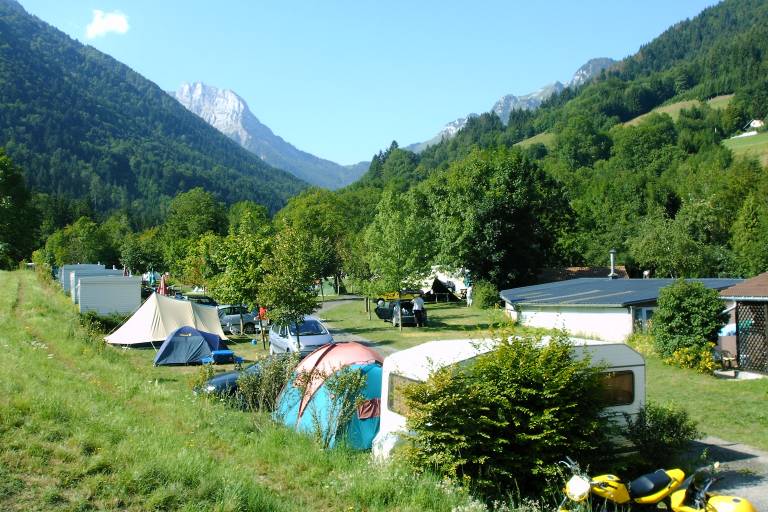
[660, 433]
[103, 323]
[688, 316]
[259, 391]
[504, 420]
[485, 295]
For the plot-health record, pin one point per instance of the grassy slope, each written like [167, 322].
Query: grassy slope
[750, 147]
[545, 138]
[673, 109]
[86, 427]
[446, 321]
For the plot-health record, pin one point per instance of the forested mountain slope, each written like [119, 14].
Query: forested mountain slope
[81, 124]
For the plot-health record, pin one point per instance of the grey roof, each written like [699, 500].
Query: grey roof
[588, 291]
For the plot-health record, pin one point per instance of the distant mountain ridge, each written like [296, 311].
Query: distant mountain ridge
[229, 113]
[85, 126]
[530, 101]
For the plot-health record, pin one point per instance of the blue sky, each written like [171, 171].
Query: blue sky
[343, 79]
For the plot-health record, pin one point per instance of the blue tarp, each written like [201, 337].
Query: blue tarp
[187, 345]
[320, 414]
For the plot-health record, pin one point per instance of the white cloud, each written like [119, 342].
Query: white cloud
[105, 22]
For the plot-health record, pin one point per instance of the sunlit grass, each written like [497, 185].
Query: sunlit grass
[89, 427]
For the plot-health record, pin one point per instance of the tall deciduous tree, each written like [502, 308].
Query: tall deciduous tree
[287, 290]
[398, 243]
[18, 218]
[241, 257]
[497, 214]
[750, 236]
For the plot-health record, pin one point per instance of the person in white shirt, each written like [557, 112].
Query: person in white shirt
[418, 310]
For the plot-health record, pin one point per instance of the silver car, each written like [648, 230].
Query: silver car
[311, 334]
[229, 317]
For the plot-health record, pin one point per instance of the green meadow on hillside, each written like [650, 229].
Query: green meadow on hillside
[750, 147]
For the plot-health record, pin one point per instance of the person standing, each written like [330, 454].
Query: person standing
[418, 310]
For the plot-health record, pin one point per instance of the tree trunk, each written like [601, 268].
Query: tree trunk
[400, 307]
[322, 293]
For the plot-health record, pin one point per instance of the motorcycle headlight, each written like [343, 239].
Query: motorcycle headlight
[577, 488]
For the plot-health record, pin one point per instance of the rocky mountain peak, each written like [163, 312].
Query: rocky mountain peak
[221, 108]
[229, 113]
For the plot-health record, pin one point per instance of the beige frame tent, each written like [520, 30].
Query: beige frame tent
[159, 316]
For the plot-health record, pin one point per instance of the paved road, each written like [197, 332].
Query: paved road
[744, 469]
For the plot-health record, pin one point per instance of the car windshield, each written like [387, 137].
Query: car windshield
[309, 328]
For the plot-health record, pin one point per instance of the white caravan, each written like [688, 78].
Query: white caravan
[75, 275]
[624, 368]
[65, 270]
[108, 294]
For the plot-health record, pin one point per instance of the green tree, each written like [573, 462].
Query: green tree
[241, 256]
[18, 218]
[81, 242]
[287, 290]
[497, 214]
[398, 243]
[750, 236]
[142, 252]
[689, 315]
[665, 246]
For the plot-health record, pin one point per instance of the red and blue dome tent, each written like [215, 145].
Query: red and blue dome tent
[307, 405]
[187, 345]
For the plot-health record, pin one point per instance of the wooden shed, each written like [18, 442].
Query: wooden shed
[751, 319]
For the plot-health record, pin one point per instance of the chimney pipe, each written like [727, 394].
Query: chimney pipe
[613, 274]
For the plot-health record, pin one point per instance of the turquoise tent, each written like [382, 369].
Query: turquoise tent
[316, 411]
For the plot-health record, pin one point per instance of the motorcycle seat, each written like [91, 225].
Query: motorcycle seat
[649, 484]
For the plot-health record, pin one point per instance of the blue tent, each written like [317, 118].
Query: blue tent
[316, 412]
[187, 345]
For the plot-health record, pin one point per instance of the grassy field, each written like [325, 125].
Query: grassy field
[89, 427]
[545, 138]
[750, 147]
[729, 409]
[673, 109]
[446, 321]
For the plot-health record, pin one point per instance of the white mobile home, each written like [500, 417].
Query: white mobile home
[75, 275]
[601, 308]
[65, 270]
[106, 294]
[624, 371]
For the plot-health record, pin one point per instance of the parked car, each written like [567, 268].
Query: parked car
[229, 317]
[311, 334]
[396, 311]
[200, 299]
[225, 384]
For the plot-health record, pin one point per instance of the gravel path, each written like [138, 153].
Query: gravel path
[340, 335]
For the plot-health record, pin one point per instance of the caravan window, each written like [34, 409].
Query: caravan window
[396, 400]
[618, 388]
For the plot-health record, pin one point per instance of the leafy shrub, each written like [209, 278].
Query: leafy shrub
[689, 316]
[485, 295]
[259, 391]
[660, 433]
[104, 323]
[700, 359]
[503, 420]
[346, 387]
[642, 342]
[201, 376]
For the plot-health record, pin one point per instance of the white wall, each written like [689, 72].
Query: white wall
[105, 295]
[609, 324]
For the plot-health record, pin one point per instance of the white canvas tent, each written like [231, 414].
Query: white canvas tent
[159, 316]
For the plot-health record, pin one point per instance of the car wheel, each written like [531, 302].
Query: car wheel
[249, 329]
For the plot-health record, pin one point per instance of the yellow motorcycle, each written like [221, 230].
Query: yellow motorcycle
[643, 493]
[697, 498]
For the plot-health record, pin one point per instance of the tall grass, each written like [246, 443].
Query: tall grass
[88, 427]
